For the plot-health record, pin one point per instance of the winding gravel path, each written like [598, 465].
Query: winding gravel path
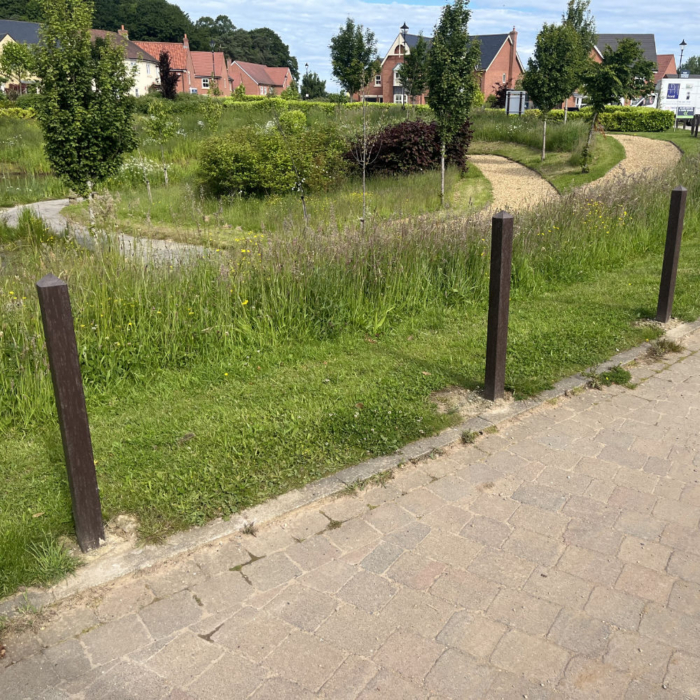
[150, 250]
[515, 187]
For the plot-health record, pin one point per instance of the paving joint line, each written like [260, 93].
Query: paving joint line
[113, 567]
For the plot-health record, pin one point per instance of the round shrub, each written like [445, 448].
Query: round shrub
[410, 147]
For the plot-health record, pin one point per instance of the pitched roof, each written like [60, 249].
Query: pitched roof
[178, 53]
[21, 32]
[257, 72]
[278, 75]
[647, 41]
[132, 50]
[490, 46]
[203, 65]
[665, 63]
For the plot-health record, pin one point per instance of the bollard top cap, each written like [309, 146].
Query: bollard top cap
[51, 281]
[680, 188]
[503, 215]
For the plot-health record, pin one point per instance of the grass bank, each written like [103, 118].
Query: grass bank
[291, 357]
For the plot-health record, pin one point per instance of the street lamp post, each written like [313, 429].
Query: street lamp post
[404, 31]
[680, 65]
[212, 44]
[306, 74]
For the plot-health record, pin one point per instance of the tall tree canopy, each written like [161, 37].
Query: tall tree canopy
[354, 56]
[692, 65]
[413, 70]
[312, 87]
[23, 10]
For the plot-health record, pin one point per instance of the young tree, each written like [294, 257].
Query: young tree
[692, 65]
[169, 79]
[623, 74]
[354, 57]
[452, 60]
[355, 61]
[16, 64]
[413, 70]
[580, 19]
[291, 92]
[312, 87]
[161, 126]
[551, 70]
[84, 110]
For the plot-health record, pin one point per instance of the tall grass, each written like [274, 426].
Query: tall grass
[133, 320]
[490, 125]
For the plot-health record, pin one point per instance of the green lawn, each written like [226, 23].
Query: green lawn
[316, 359]
[560, 169]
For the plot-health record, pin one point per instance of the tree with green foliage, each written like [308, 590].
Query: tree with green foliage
[84, 108]
[354, 57]
[452, 85]
[22, 10]
[552, 70]
[291, 92]
[623, 74]
[146, 20]
[160, 126]
[312, 87]
[692, 65]
[412, 72]
[16, 65]
[578, 16]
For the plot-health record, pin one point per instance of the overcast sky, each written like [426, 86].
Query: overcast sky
[308, 25]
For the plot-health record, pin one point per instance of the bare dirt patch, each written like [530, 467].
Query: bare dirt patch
[466, 403]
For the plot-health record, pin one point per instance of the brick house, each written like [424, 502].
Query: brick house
[208, 64]
[14, 31]
[499, 64]
[180, 60]
[258, 79]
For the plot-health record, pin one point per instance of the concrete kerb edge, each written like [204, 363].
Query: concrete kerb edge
[111, 568]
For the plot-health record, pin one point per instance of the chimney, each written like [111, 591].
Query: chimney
[512, 63]
[186, 42]
[123, 32]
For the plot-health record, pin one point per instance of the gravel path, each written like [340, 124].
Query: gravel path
[644, 157]
[515, 187]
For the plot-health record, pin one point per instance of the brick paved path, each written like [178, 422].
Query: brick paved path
[557, 559]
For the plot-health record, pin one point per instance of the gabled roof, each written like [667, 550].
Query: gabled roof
[278, 75]
[21, 32]
[204, 66]
[178, 53]
[490, 46]
[132, 50]
[666, 63]
[647, 41]
[256, 71]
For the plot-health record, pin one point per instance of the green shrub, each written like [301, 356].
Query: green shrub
[17, 113]
[264, 161]
[27, 101]
[636, 119]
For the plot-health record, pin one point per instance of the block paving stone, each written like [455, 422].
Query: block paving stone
[558, 559]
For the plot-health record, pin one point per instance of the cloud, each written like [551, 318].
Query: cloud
[308, 25]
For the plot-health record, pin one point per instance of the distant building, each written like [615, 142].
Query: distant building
[180, 60]
[499, 64]
[208, 66]
[258, 79]
[12, 31]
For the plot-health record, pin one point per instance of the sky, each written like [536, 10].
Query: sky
[308, 25]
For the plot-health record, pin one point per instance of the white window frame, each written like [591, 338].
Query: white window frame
[263, 89]
[193, 91]
[504, 79]
[400, 98]
[148, 69]
[378, 80]
[205, 83]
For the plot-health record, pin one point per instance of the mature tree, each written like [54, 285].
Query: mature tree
[312, 87]
[692, 65]
[169, 79]
[578, 16]
[452, 86]
[355, 61]
[16, 64]
[354, 56]
[413, 70]
[23, 10]
[551, 70]
[146, 20]
[270, 50]
[84, 108]
[623, 74]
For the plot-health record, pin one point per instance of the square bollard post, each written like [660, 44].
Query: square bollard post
[674, 234]
[499, 305]
[62, 348]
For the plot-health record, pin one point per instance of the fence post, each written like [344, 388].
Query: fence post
[62, 348]
[499, 302]
[673, 248]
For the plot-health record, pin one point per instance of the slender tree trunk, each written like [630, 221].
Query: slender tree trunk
[165, 165]
[566, 109]
[91, 210]
[364, 163]
[442, 174]
[544, 138]
[587, 151]
[148, 188]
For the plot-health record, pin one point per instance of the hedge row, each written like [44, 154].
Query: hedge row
[616, 117]
[17, 113]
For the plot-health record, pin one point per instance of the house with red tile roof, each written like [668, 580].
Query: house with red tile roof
[210, 65]
[665, 65]
[258, 79]
[180, 60]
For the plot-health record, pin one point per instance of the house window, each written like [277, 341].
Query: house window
[400, 99]
[263, 90]
[205, 83]
[148, 69]
[137, 92]
[193, 91]
[377, 80]
[504, 77]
